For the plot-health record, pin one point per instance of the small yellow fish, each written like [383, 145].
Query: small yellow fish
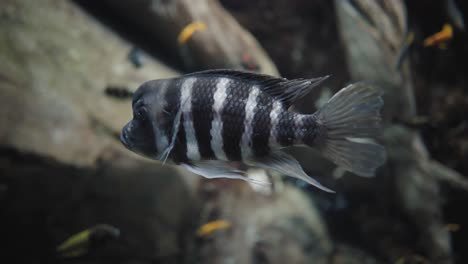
[440, 38]
[74, 245]
[188, 31]
[212, 226]
[79, 244]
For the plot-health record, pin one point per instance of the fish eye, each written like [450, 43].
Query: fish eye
[140, 114]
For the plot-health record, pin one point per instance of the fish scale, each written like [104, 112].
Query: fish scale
[172, 97]
[202, 101]
[261, 126]
[233, 116]
[286, 129]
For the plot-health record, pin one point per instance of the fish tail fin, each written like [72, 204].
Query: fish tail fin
[348, 121]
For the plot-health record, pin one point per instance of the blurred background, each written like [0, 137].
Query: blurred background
[71, 193]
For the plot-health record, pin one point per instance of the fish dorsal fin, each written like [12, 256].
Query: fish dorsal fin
[290, 91]
[287, 91]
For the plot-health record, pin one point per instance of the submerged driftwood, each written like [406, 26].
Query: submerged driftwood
[46, 201]
[265, 228]
[373, 33]
[63, 169]
[56, 63]
[219, 43]
[283, 226]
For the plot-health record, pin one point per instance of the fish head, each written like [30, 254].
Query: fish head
[140, 134]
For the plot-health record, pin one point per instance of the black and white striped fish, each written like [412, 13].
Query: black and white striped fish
[207, 120]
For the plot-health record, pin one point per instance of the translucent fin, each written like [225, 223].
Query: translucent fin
[287, 165]
[175, 129]
[293, 90]
[212, 169]
[350, 115]
[287, 91]
[358, 157]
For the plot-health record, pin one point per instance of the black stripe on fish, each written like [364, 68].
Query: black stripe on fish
[313, 130]
[233, 116]
[262, 125]
[286, 128]
[202, 114]
[171, 106]
[179, 152]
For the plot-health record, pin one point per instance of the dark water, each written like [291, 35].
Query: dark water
[44, 201]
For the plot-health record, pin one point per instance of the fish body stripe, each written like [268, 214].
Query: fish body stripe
[274, 119]
[300, 129]
[262, 125]
[286, 129]
[179, 152]
[217, 125]
[233, 116]
[225, 119]
[313, 130]
[171, 107]
[202, 114]
[160, 135]
[186, 108]
[250, 108]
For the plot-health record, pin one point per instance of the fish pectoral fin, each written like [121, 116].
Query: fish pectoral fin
[212, 169]
[287, 165]
[175, 129]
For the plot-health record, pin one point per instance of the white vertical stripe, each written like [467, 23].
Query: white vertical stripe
[186, 104]
[219, 98]
[250, 107]
[274, 120]
[298, 128]
[161, 139]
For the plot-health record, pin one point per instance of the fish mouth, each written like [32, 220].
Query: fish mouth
[124, 138]
[136, 139]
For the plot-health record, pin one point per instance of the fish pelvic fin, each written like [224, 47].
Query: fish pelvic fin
[285, 164]
[350, 121]
[213, 169]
